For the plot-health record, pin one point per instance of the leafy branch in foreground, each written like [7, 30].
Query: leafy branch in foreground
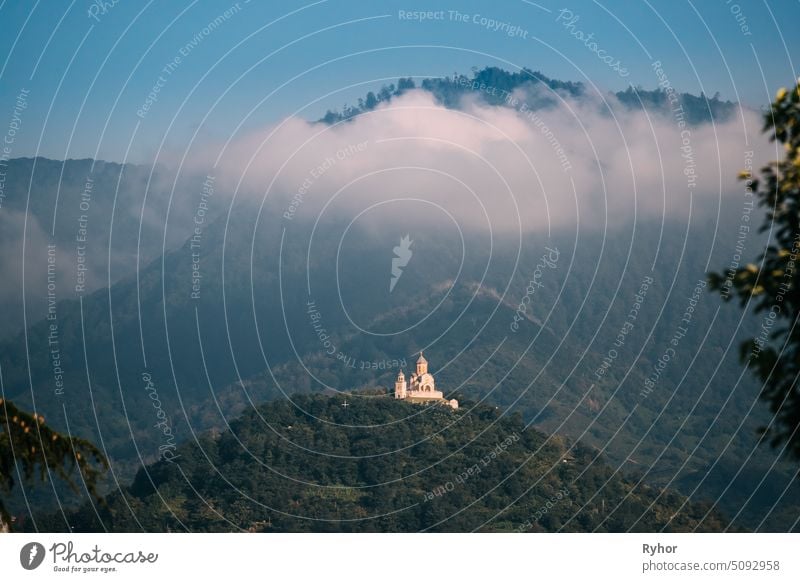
[30, 448]
[774, 286]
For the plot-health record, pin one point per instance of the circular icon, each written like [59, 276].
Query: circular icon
[31, 555]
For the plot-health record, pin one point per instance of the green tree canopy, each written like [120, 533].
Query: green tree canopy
[773, 285]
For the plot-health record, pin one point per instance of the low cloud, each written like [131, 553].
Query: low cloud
[584, 161]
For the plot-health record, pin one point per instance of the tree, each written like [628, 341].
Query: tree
[774, 285]
[28, 446]
[404, 84]
[385, 94]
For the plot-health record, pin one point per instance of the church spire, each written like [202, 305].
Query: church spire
[422, 365]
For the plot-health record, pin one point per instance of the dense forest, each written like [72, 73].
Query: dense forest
[365, 462]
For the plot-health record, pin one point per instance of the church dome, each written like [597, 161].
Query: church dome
[421, 359]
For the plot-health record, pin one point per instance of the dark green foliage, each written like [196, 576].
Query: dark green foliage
[773, 285]
[29, 446]
[378, 464]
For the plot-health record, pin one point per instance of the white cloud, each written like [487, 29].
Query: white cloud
[498, 166]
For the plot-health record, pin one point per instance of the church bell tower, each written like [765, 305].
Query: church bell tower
[400, 386]
[422, 365]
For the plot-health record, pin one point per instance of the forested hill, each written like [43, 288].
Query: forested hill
[369, 463]
[492, 85]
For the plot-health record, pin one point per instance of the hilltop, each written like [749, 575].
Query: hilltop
[376, 464]
[492, 85]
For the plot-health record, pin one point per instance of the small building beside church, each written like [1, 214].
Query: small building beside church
[421, 386]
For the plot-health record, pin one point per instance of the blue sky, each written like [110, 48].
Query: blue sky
[89, 70]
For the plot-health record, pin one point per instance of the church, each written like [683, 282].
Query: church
[421, 386]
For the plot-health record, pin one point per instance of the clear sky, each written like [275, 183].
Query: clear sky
[88, 67]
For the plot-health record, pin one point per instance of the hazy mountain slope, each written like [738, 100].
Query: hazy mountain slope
[547, 373]
[76, 210]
